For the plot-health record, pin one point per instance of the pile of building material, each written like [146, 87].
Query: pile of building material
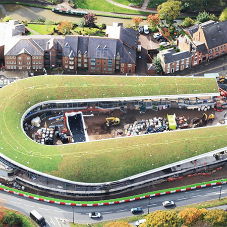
[45, 136]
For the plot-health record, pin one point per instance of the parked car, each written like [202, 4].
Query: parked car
[157, 35]
[140, 29]
[164, 43]
[140, 222]
[168, 203]
[136, 210]
[162, 39]
[146, 30]
[94, 215]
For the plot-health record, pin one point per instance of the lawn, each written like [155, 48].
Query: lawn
[42, 28]
[98, 161]
[104, 6]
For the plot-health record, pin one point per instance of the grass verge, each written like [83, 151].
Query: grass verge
[42, 28]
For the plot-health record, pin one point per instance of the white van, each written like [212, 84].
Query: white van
[146, 30]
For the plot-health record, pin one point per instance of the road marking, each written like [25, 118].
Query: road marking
[43, 208]
[15, 202]
[107, 212]
[52, 221]
[28, 205]
[59, 220]
[194, 196]
[179, 199]
[59, 211]
[154, 204]
[197, 190]
[121, 210]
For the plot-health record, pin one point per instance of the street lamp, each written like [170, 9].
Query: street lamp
[149, 204]
[73, 214]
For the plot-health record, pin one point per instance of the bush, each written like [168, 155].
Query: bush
[12, 219]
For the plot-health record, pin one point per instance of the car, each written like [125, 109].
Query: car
[164, 43]
[140, 222]
[168, 203]
[136, 210]
[157, 35]
[94, 215]
[140, 29]
[162, 39]
[146, 30]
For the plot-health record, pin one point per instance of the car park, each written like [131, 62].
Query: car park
[140, 29]
[164, 43]
[94, 215]
[140, 222]
[168, 203]
[146, 30]
[136, 210]
[157, 35]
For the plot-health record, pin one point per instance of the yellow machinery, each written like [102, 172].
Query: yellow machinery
[222, 80]
[112, 121]
[208, 118]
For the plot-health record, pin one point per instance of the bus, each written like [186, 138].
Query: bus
[38, 218]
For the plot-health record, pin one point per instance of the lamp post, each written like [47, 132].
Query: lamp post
[148, 206]
[73, 214]
[220, 191]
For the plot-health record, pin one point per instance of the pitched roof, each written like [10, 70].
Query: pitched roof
[83, 44]
[201, 47]
[169, 56]
[102, 48]
[129, 36]
[70, 46]
[191, 30]
[215, 33]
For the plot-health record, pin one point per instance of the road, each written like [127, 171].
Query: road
[56, 214]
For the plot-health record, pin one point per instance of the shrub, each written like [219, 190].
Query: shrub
[12, 219]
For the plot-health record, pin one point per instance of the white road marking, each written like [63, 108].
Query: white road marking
[60, 211]
[106, 212]
[58, 221]
[43, 208]
[121, 210]
[15, 202]
[154, 204]
[52, 221]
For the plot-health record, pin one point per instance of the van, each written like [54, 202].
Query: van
[139, 47]
[38, 218]
[146, 30]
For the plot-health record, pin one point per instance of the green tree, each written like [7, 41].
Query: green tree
[203, 17]
[157, 64]
[216, 217]
[213, 17]
[223, 15]
[169, 11]
[136, 21]
[81, 22]
[188, 22]
[12, 219]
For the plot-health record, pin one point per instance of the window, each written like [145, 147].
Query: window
[33, 67]
[7, 57]
[187, 60]
[40, 62]
[66, 66]
[85, 65]
[117, 66]
[196, 55]
[20, 67]
[7, 62]
[14, 57]
[122, 70]
[20, 63]
[15, 67]
[122, 65]
[117, 62]
[129, 65]
[28, 63]
[37, 63]
[182, 61]
[85, 60]
[168, 65]
[168, 70]
[110, 62]
[195, 62]
[71, 62]
[97, 68]
[79, 55]
[222, 52]
[79, 65]
[28, 67]
[104, 69]
[28, 58]
[109, 69]
[211, 51]
[40, 67]
[14, 62]
[177, 62]
[216, 54]
[8, 67]
[92, 68]
[177, 68]
[39, 57]
[19, 58]
[104, 63]
[37, 67]
[33, 57]
[11, 66]
[92, 61]
[217, 49]
[66, 61]
[36, 57]
[187, 65]
[97, 63]
[79, 59]
[10, 57]
[211, 56]
[71, 59]
[71, 67]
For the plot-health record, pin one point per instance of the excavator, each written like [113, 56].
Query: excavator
[199, 122]
[222, 80]
[112, 121]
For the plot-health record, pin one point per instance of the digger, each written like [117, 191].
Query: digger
[112, 121]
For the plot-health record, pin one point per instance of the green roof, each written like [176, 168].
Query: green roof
[105, 160]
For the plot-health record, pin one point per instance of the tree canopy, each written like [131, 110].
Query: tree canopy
[153, 20]
[169, 11]
[117, 224]
[90, 20]
[137, 20]
[223, 15]
[65, 27]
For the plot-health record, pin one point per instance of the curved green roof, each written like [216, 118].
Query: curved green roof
[105, 160]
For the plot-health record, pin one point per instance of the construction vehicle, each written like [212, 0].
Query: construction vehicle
[209, 117]
[200, 122]
[222, 80]
[112, 121]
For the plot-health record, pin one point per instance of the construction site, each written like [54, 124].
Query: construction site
[91, 122]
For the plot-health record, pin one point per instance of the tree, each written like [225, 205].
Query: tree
[157, 64]
[153, 20]
[161, 218]
[118, 224]
[188, 22]
[136, 21]
[65, 27]
[90, 19]
[203, 17]
[81, 22]
[190, 216]
[12, 219]
[216, 217]
[223, 15]
[7, 18]
[169, 11]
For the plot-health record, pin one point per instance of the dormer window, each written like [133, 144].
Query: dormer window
[98, 46]
[105, 47]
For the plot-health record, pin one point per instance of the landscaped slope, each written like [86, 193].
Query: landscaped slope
[105, 160]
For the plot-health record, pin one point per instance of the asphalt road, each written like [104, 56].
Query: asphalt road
[56, 214]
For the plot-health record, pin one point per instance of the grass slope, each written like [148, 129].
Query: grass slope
[98, 161]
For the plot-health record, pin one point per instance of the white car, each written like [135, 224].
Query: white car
[94, 215]
[140, 222]
[146, 30]
[164, 43]
[168, 203]
[157, 35]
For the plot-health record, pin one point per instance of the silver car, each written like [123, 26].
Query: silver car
[94, 215]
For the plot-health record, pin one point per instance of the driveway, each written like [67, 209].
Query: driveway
[147, 42]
